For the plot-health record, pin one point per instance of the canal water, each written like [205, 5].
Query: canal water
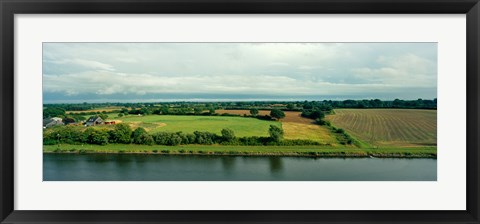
[135, 167]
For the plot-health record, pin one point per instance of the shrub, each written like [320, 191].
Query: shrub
[322, 122]
[49, 141]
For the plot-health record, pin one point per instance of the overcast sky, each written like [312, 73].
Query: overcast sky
[113, 72]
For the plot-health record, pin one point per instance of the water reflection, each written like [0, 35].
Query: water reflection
[129, 167]
[228, 163]
[276, 164]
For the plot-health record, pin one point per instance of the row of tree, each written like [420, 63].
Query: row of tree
[123, 134]
[210, 107]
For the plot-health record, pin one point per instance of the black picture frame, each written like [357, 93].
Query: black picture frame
[9, 8]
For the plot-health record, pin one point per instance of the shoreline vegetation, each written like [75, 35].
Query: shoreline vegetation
[222, 150]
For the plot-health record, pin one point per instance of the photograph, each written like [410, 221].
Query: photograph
[239, 111]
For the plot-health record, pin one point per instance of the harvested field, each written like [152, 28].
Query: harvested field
[388, 127]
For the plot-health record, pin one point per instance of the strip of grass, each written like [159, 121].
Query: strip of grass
[315, 151]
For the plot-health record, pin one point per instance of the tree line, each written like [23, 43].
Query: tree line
[201, 107]
[123, 134]
[71, 118]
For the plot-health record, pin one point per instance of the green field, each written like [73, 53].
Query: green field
[389, 127]
[317, 151]
[188, 124]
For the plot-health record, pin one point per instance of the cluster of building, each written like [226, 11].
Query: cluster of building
[91, 121]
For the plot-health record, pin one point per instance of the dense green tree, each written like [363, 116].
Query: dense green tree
[145, 110]
[276, 113]
[161, 138]
[190, 138]
[96, 136]
[121, 133]
[276, 133]
[198, 110]
[175, 139]
[254, 112]
[70, 134]
[317, 114]
[205, 138]
[137, 137]
[146, 139]
[53, 112]
[290, 106]
[164, 110]
[228, 135]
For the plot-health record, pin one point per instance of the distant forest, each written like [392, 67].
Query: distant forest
[208, 108]
[283, 105]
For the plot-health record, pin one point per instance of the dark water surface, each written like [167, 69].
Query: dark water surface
[130, 167]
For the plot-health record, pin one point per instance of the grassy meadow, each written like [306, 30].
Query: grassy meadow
[188, 124]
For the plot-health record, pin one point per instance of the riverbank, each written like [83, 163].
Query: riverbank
[302, 151]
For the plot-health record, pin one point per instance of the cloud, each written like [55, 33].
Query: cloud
[407, 70]
[315, 69]
[93, 64]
